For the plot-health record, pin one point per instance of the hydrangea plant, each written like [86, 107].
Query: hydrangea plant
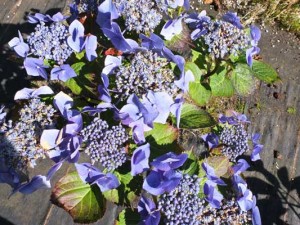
[123, 78]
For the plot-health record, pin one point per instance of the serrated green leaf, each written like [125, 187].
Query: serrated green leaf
[264, 72]
[80, 55]
[128, 217]
[198, 93]
[82, 201]
[193, 117]
[242, 79]
[220, 85]
[112, 195]
[194, 69]
[219, 163]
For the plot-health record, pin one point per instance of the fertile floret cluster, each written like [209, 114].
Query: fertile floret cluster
[235, 140]
[146, 72]
[229, 213]
[182, 205]
[140, 15]
[50, 42]
[105, 145]
[84, 6]
[20, 144]
[224, 39]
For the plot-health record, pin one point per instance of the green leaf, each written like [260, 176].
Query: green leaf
[128, 217]
[77, 67]
[199, 59]
[193, 117]
[83, 202]
[220, 85]
[194, 69]
[83, 85]
[163, 134]
[242, 79]
[220, 164]
[264, 72]
[191, 165]
[162, 139]
[198, 93]
[128, 190]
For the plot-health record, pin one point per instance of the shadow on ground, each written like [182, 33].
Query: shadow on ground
[12, 75]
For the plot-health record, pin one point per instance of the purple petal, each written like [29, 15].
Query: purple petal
[232, 18]
[183, 82]
[172, 28]
[111, 62]
[107, 12]
[255, 152]
[250, 53]
[53, 170]
[90, 47]
[138, 132]
[116, 37]
[107, 182]
[63, 103]
[176, 108]
[63, 73]
[210, 173]
[20, 47]
[162, 102]
[211, 139]
[35, 67]
[213, 196]
[169, 161]
[148, 212]
[255, 33]
[37, 182]
[25, 93]
[159, 182]
[49, 139]
[140, 159]
[240, 167]
[76, 40]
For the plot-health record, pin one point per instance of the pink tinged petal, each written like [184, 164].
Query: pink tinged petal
[63, 103]
[140, 159]
[90, 47]
[25, 93]
[37, 182]
[35, 67]
[63, 73]
[49, 139]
